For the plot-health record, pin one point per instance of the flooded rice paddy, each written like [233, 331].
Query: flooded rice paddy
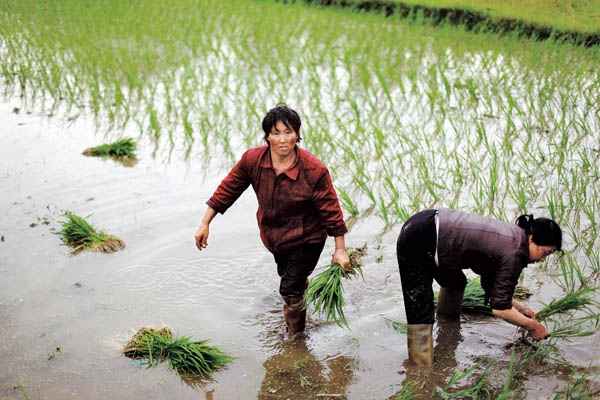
[411, 118]
[66, 318]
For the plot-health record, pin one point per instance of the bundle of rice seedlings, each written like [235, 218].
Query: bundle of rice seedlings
[325, 291]
[191, 358]
[186, 357]
[149, 344]
[573, 301]
[80, 234]
[123, 148]
[474, 297]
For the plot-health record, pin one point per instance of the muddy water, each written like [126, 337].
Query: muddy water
[65, 318]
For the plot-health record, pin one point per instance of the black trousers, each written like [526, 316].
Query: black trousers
[415, 250]
[295, 265]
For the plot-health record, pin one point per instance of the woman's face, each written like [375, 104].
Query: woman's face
[282, 139]
[539, 253]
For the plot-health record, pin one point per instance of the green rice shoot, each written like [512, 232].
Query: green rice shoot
[560, 312]
[81, 235]
[185, 356]
[325, 292]
[123, 149]
[474, 297]
[573, 301]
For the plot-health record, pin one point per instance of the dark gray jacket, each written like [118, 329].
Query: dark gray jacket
[496, 250]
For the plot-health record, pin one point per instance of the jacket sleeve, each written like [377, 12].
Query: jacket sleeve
[326, 201]
[506, 279]
[232, 187]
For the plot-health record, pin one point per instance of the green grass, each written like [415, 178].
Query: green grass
[581, 16]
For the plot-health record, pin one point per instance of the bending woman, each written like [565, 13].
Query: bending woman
[439, 244]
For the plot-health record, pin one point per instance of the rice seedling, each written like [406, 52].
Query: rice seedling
[325, 292]
[150, 344]
[80, 235]
[189, 357]
[577, 387]
[507, 392]
[122, 150]
[474, 297]
[186, 357]
[408, 118]
[410, 390]
[479, 389]
[577, 300]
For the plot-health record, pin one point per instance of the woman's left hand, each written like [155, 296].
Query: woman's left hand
[340, 257]
[526, 311]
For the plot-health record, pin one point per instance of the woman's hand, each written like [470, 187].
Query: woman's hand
[340, 257]
[539, 332]
[201, 237]
[526, 311]
[339, 254]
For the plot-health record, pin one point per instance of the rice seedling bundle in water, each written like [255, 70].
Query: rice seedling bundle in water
[325, 292]
[186, 357]
[121, 148]
[80, 234]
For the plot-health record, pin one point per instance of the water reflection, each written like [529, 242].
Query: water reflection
[448, 338]
[294, 372]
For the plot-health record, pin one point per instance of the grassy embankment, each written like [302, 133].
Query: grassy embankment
[575, 20]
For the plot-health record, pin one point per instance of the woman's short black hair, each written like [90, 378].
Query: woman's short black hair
[543, 231]
[281, 112]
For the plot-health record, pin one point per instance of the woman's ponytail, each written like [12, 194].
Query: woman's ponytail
[543, 231]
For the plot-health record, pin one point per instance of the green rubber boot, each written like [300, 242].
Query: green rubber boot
[420, 344]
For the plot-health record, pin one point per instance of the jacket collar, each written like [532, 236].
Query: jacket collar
[291, 172]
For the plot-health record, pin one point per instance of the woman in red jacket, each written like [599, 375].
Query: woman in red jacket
[298, 207]
[439, 244]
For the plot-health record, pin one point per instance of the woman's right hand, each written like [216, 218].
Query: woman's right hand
[539, 332]
[201, 237]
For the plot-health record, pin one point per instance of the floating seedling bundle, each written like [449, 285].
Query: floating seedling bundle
[325, 292]
[186, 357]
[80, 235]
[122, 150]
